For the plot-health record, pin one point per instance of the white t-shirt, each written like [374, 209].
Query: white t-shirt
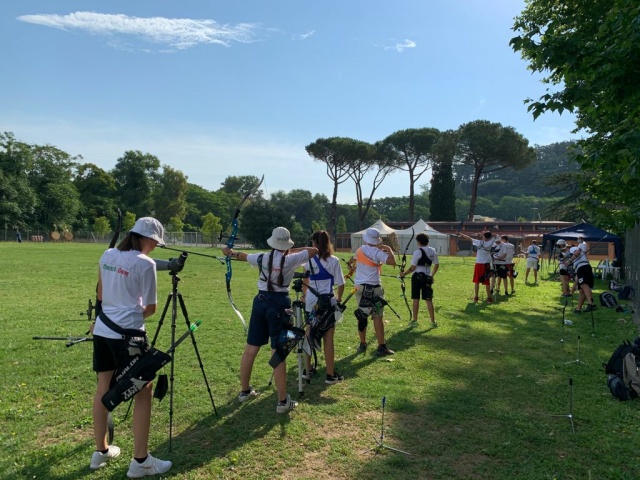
[533, 251]
[291, 263]
[331, 265]
[484, 247]
[581, 259]
[128, 285]
[417, 256]
[510, 250]
[504, 255]
[366, 274]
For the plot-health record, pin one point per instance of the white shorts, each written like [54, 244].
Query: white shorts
[532, 263]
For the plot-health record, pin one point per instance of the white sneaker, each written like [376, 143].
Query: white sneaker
[243, 397]
[99, 459]
[151, 466]
[287, 406]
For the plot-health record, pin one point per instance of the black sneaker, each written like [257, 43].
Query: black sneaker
[383, 350]
[335, 378]
[307, 376]
[362, 347]
[590, 307]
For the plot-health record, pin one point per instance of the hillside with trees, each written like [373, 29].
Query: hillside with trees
[44, 188]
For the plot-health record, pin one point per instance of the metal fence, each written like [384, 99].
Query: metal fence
[631, 268]
[184, 239]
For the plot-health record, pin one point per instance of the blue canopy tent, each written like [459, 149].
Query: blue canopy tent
[588, 232]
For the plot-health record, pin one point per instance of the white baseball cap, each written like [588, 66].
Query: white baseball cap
[372, 236]
[280, 239]
[151, 228]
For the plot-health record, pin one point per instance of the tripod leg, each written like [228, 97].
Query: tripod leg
[161, 321]
[195, 347]
[298, 309]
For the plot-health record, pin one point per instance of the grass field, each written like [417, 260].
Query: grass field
[475, 398]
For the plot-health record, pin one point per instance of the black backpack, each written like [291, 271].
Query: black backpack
[627, 293]
[614, 369]
[608, 300]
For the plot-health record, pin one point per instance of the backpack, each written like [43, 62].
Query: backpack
[614, 369]
[608, 300]
[627, 293]
[615, 286]
[631, 374]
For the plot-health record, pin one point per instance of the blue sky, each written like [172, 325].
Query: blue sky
[239, 88]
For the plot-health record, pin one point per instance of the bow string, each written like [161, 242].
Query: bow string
[403, 265]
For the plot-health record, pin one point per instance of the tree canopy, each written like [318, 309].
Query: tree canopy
[337, 154]
[589, 52]
[488, 147]
[411, 150]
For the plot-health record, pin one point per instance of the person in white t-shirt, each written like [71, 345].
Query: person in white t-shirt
[127, 296]
[483, 272]
[503, 259]
[584, 276]
[533, 256]
[565, 269]
[324, 274]
[424, 264]
[269, 313]
[370, 295]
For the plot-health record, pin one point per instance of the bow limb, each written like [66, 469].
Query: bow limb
[351, 265]
[233, 305]
[230, 244]
[403, 266]
[116, 234]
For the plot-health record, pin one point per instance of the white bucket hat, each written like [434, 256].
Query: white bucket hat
[151, 228]
[372, 236]
[280, 239]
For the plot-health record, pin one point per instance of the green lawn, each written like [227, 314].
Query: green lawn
[472, 399]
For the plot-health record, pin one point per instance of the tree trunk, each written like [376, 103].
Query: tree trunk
[474, 192]
[334, 207]
[412, 203]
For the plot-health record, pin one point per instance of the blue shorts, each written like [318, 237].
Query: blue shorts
[268, 316]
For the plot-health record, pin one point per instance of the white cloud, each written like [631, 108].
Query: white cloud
[399, 47]
[304, 36]
[177, 33]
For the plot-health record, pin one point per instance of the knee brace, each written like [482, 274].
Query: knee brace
[362, 319]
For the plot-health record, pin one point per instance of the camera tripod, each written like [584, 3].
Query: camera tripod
[562, 320]
[570, 414]
[380, 442]
[577, 360]
[303, 345]
[173, 299]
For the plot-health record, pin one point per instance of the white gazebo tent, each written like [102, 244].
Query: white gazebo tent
[383, 228]
[438, 240]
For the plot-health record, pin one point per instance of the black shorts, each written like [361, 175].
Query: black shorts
[420, 289]
[502, 270]
[110, 354]
[584, 276]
